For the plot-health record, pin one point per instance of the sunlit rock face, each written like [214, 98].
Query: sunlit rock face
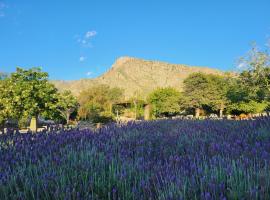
[138, 76]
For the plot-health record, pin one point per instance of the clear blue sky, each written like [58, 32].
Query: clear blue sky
[73, 39]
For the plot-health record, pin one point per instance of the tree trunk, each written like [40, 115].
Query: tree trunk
[221, 110]
[67, 117]
[117, 115]
[2, 128]
[197, 112]
[34, 124]
[147, 112]
[221, 113]
[135, 105]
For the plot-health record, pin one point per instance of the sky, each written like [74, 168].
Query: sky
[74, 39]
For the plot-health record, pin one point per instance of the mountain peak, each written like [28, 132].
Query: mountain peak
[139, 75]
[122, 60]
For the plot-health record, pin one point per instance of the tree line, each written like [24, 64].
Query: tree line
[235, 93]
[28, 93]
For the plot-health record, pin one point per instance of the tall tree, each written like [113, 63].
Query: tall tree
[4, 107]
[137, 104]
[217, 92]
[243, 99]
[256, 73]
[205, 90]
[196, 92]
[96, 102]
[165, 101]
[250, 92]
[67, 104]
[28, 93]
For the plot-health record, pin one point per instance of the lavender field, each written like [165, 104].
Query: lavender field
[169, 159]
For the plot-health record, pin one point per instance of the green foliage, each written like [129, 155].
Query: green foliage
[217, 91]
[137, 105]
[205, 90]
[32, 92]
[195, 91]
[250, 92]
[67, 104]
[118, 109]
[27, 93]
[238, 92]
[96, 103]
[252, 107]
[165, 101]
[256, 75]
[247, 93]
[243, 99]
[5, 104]
[23, 122]
[2, 105]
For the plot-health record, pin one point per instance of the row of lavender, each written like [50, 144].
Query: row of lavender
[167, 159]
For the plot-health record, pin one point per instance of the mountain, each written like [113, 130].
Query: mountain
[137, 75]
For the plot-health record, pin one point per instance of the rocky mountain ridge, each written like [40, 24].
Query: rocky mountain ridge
[139, 76]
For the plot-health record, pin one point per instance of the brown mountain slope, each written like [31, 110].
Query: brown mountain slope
[137, 75]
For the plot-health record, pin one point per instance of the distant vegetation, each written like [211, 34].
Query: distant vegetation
[165, 102]
[97, 103]
[247, 92]
[25, 94]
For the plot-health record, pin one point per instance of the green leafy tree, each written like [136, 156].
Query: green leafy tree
[114, 95]
[28, 93]
[165, 102]
[137, 105]
[217, 92]
[250, 92]
[67, 104]
[256, 73]
[243, 99]
[238, 94]
[251, 106]
[196, 87]
[205, 90]
[96, 103]
[4, 111]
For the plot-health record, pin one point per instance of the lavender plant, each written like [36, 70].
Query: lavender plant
[165, 159]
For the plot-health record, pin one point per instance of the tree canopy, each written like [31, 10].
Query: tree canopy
[4, 107]
[27, 93]
[97, 101]
[165, 101]
[256, 74]
[67, 104]
[203, 89]
[250, 92]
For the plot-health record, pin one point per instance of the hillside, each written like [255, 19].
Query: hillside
[137, 75]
